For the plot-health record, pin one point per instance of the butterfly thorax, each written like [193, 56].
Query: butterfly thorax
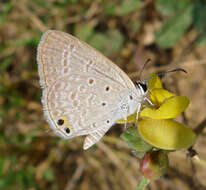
[132, 100]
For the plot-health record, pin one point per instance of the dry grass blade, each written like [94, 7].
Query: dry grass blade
[77, 175]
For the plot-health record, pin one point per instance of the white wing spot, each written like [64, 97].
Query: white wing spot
[88, 65]
[63, 57]
[59, 86]
[81, 88]
[57, 112]
[68, 87]
[91, 99]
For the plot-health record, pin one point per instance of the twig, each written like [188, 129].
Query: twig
[198, 130]
[128, 176]
[78, 173]
[190, 46]
[93, 10]
[34, 19]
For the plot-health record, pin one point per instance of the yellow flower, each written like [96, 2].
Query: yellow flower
[156, 125]
[166, 133]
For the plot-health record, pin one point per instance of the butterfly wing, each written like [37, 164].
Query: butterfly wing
[65, 54]
[81, 88]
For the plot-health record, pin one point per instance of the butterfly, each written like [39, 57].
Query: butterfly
[84, 93]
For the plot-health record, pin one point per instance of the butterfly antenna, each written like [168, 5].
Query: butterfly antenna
[143, 67]
[171, 71]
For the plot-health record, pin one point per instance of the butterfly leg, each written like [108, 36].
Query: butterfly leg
[125, 124]
[138, 110]
[149, 101]
[124, 113]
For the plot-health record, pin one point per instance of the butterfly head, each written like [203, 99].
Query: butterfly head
[142, 87]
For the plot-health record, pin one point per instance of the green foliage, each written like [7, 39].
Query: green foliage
[48, 174]
[12, 177]
[64, 3]
[5, 63]
[124, 7]
[169, 8]
[143, 183]
[5, 11]
[107, 43]
[83, 31]
[175, 26]
[134, 140]
[199, 16]
[109, 8]
[181, 15]
[128, 6]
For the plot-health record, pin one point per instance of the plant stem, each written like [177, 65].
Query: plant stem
[143, 183]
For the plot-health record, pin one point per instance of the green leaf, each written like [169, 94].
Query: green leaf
[128, 6]
[120, 8]
[109, 7]
[168, 7]
[165, 7]
[5, 63]
[175, 27]
[107, 43]
[64, 3]
[98, 41]
[2, 162]
[83, 31]
[40, 3]
[4, 12]
[114, 41]
[199, 17]
[143, 183]
[48, 174]
[134, 26]
[133, 139]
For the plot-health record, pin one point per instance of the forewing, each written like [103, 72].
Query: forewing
[60, 54]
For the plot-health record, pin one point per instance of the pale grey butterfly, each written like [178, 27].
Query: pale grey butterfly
[84, 93]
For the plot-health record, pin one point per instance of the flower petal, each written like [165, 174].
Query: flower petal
[158, 95]
[170, 108]
[154, 82]
[166, 134]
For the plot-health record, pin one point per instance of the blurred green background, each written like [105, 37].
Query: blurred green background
[171, 33]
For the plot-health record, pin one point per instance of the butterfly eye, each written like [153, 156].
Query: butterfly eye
[142, 85]
[67, 130]
[60, 122]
